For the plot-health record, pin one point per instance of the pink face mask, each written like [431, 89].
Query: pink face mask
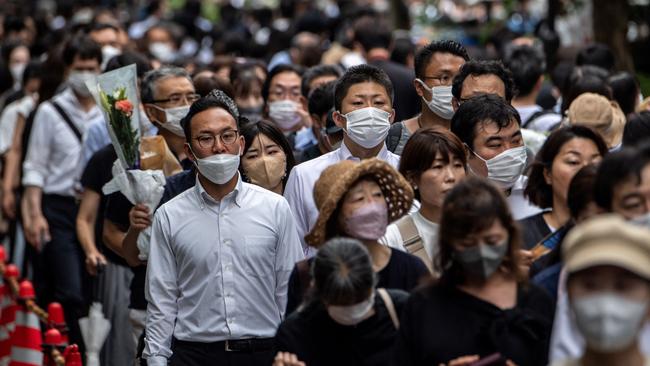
[367, 222]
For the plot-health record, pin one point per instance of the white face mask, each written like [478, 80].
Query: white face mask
[17, 71]
[162, 51]
[78, 79]
[642, 221]
[173, 117]
[609, 322]
[284, 113]
[368, 127]
[505, 168]
[108, 52]
[440, 102]
[219, 168]
[353, 314]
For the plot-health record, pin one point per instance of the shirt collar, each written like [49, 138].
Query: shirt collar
[344, 153]
[206, 200]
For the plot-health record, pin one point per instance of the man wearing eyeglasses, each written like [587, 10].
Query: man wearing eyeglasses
[166, 95]
[221, 255]
[435, 68]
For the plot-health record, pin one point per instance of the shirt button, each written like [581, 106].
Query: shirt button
[227, 242]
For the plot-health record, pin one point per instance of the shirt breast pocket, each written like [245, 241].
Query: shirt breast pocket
[260, 255]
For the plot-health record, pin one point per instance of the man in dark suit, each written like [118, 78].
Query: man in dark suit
[373, 38]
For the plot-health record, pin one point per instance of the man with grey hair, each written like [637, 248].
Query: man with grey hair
[167, 94]
[220, 256]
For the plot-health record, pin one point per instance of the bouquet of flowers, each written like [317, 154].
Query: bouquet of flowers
[120, 111]
[116, 93]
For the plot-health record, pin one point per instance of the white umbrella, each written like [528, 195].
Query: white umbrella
[94, 329]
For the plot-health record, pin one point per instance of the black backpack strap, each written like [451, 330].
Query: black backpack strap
[394, 135]
[535, 116]
[67, 119]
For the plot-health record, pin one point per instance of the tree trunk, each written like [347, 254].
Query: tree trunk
[610, 27]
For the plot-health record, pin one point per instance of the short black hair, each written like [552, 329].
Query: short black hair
[316, 72]
[33, 70]
[215, 99]
[637, 129]
[625, 90]
[81, 46]
[371, 33]
[403, 47]
[476, 68]
[423, 56]
[361, 74]
[581, 190]
[612, 171]
[321, 99]
[538, 191]
[586, 84]
[276, 71]
[142, 64]
[96, 27]
[527, 64]
[596, 54]
[482, 109]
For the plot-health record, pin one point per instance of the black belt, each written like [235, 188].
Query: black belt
[238, 345]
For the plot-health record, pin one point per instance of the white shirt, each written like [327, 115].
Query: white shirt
[94, 139]
[9, 117]
[299, 190]
[218, 270]
[520, 206]
[542, 123]
[428, 232]
[54, 152]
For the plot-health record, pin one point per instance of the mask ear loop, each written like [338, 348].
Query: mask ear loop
[474, 153]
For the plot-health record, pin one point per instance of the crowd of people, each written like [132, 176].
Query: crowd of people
[330, 198]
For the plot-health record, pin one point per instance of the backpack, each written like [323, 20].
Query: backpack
[412, 240]
[535, 116]
[394, 135]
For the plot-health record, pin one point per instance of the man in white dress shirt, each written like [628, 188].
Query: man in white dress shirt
[53, 157]
[221, 255]
[363, 100]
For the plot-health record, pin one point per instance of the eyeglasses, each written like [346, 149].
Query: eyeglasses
[207, 141]
[178, 98]
[444, 80]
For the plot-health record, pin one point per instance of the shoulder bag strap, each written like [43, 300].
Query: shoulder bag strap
[389, 306]
[67, 119]
[410, 236]
[412, 240]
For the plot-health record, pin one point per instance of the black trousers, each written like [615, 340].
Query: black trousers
[59, 273]
[208, 354]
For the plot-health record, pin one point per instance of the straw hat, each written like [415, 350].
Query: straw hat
[337, 179]
[601, 114]
[608, 240]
